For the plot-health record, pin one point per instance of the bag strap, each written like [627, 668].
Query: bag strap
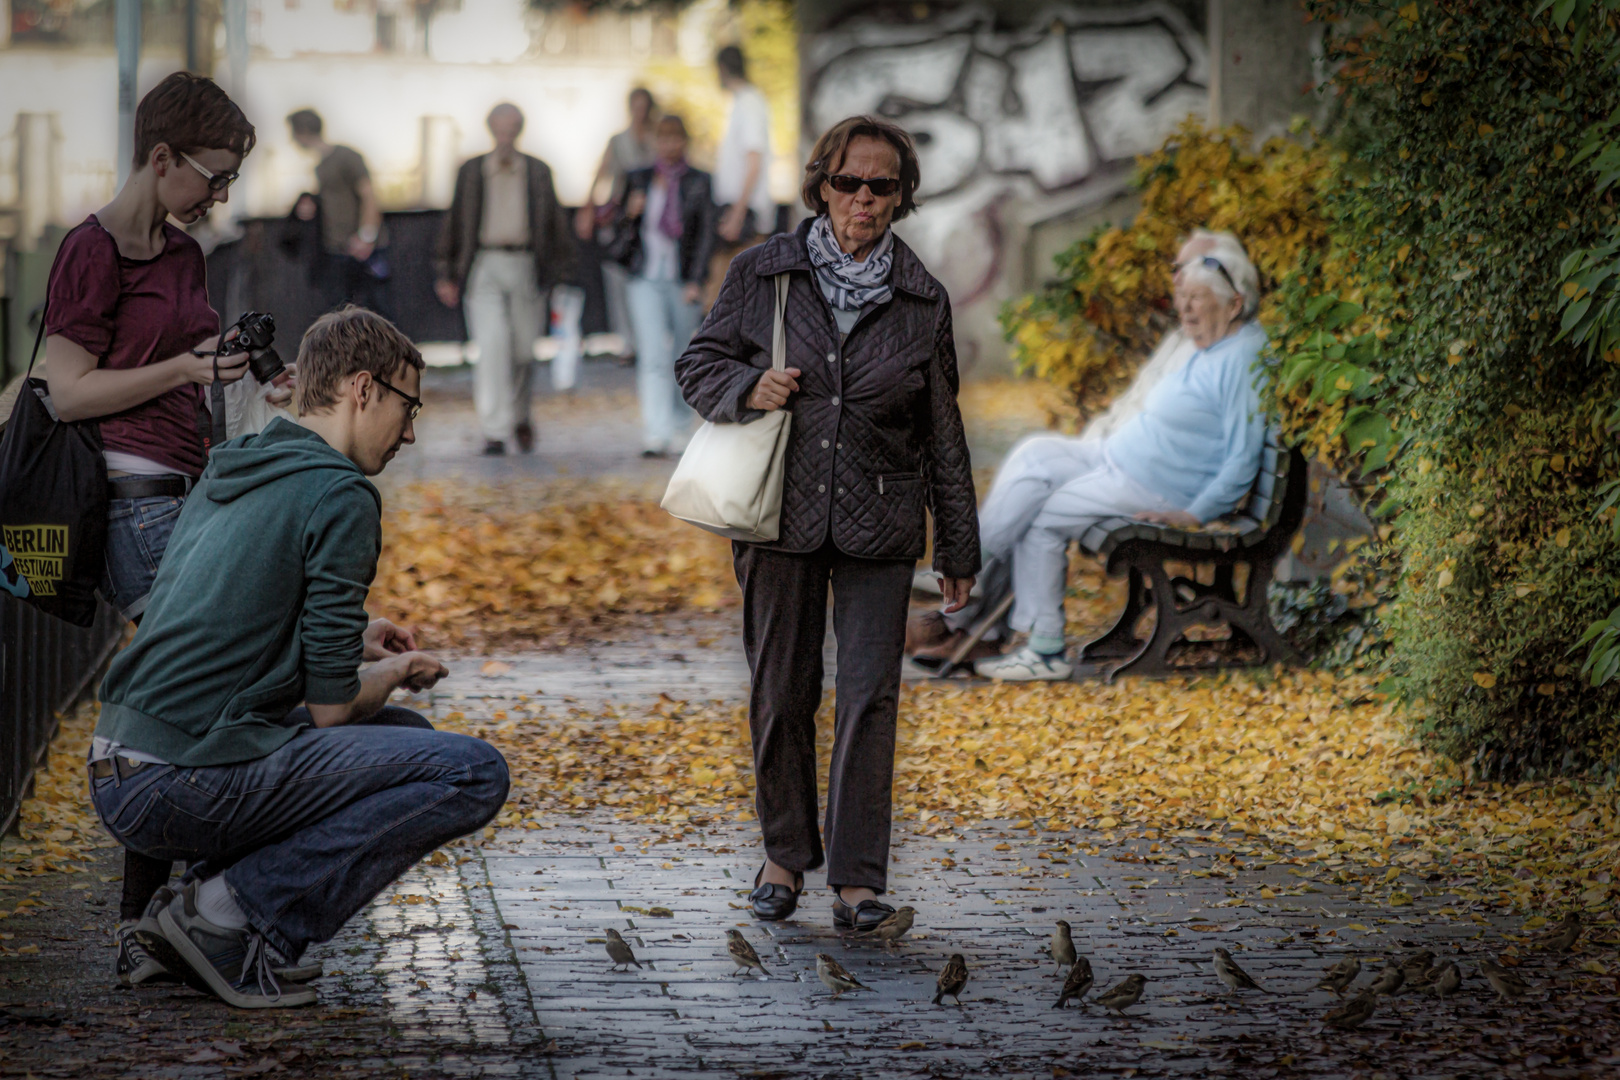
[39, 336]
[778, 330]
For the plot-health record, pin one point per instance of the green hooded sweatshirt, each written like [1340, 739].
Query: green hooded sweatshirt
[259, 604]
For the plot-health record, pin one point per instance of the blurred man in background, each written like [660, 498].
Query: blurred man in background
[505, 244]
[741, 168]
[354, 266]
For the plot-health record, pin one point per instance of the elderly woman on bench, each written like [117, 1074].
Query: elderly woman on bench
[1188, 457]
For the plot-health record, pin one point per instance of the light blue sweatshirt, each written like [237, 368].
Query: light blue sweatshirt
[1197, 440]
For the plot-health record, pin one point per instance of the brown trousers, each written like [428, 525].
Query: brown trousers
[784, 625]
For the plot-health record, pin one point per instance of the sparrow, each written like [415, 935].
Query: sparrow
[1227, 970]
[1445, 977]
[952, 978]
[893, 928]
[1505, 981]
[834, 977]
[1077, 984]
[618, 951]
[1562, 935]
[1389, 981]
[1353, 1013]
[742, 953]
[1340, 975]
[1123, 994]
[1062, 947]
[1415, 965]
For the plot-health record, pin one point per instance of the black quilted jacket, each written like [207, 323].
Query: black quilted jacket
[876, 436]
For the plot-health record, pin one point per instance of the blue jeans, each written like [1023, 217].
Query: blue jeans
[309, 834]
[138, 532]
[663, 323]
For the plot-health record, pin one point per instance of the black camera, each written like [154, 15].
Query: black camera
[255, 332]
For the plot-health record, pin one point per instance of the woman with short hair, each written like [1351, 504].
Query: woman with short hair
[875, 443]
[663, 240]
[130, 337]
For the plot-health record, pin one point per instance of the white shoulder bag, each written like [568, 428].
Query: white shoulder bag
[729, 480]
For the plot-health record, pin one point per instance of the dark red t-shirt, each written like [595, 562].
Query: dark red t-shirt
[132, 312]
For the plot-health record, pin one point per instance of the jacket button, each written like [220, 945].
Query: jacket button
[831, 357]
[821, 487]
[824, 444]
[840, 446]
[840, 491]
[835, 401]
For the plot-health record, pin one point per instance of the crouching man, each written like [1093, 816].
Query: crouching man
[294, 818]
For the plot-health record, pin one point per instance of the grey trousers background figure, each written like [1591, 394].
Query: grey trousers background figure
[784, 626]
[505, 314]
[664, 323]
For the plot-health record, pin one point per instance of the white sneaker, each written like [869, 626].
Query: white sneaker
[1025, 665]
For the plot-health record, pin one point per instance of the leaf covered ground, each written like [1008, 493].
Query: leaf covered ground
[1312, 765]
[543, 567]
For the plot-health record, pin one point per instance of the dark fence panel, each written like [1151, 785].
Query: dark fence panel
[45, 664]
[273, 268]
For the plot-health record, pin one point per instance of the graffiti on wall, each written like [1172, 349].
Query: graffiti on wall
[1050, 115]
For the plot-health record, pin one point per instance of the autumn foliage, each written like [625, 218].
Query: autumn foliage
[471, 571]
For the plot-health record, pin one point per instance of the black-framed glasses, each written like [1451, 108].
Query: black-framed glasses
[881, 186]
[216, 181]
[413, 403]
[1212, 263]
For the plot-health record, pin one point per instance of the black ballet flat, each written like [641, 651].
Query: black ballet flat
[773, 902]
[863, 916]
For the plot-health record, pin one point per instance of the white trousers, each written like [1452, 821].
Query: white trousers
[505, 313]
[1049, 491]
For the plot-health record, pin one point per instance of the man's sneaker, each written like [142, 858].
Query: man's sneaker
[147, 937]
[135, 964]
[1025, 665]
[233, 965]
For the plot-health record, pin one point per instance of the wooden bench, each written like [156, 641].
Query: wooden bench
[1253, 537]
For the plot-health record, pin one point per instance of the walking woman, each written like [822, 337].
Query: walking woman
[876, 441]
[127, 317]
[664, 241]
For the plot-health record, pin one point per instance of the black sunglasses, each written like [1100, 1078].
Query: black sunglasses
[415, 404]
[881, 186]
[1210, 262]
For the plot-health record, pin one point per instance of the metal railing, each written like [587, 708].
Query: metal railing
[45, 664]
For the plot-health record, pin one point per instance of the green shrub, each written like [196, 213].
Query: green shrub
[1460, 204]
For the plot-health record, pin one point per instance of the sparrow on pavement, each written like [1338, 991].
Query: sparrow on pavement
[893, 928]
[1389, 980]
[1340, 975]
[834, 977]
[618, 951]
[1227, 970]
[1417, 964]
[1505, 981]
[1353, 1013]
[1062, 947]
[1562, 935]
[952, 978]
[1445, 977]
[743, 954]
[1123, 994]
[1076, 986]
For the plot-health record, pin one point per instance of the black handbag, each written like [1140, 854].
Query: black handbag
[53, 504]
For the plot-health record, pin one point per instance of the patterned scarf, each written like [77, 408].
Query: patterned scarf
[849, 285]
[669, 222]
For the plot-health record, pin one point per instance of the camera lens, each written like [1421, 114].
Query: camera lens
[266, 365]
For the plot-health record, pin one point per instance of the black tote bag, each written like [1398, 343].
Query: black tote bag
[53, 504]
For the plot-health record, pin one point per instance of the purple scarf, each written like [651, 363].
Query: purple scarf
[669, 223]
